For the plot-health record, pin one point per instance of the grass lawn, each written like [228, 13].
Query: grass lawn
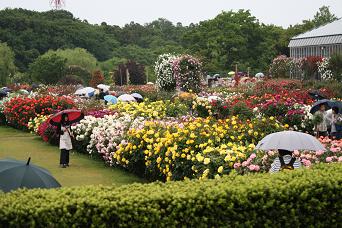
[82, 171]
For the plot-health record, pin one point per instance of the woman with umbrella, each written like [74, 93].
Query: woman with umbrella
[65, 143]
[63, 121]
[321, 127]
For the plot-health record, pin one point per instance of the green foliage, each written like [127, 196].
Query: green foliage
[335, 64]
[80, 72]
[300, 198]
[48, 69]
[77, 57]
[242, 110]
[7, 67]
[71, 80]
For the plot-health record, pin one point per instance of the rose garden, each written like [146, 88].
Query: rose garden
[193, 146]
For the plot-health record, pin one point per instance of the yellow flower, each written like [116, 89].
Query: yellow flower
[159, 159]
[220, 169]
[271, 118]
[206, 161]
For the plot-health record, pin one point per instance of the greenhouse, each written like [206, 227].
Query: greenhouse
[323, 41]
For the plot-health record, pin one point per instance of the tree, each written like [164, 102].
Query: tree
[7, 67]
[77, 57]
[136, 71]
[48, 69]
[96, 79]
[323, 16]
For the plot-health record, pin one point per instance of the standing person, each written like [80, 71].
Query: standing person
[335, 132]
[102, 94]
[285, 161]
[65, 143]
[321, 127]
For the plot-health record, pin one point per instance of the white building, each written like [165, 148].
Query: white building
[323, 41]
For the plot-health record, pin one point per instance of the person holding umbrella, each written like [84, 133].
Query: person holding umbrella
[65, 143]
[63, 120]
[285, 161]
[321, 127]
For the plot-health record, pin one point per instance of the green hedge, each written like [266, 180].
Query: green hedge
[307, 198]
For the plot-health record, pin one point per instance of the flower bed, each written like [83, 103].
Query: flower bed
[20, 110]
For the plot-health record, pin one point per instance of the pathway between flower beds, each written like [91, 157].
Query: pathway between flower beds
[82, 171]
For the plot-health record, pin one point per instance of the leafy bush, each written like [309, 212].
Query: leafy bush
[335, 65]
[96, 79]
[301, 198]
[71, 80]
[20, 110]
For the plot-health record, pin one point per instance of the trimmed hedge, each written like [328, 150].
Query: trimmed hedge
[307, 198]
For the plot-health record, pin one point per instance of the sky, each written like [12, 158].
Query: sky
[121, 12]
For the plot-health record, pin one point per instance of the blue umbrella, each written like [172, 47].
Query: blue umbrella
[111, 99]
[16, 174]
[327, 103]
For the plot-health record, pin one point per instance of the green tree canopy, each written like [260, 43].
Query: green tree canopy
[48, 69]
[7, 67]
[77, 57]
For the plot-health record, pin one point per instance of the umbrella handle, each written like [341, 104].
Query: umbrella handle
[28, 161]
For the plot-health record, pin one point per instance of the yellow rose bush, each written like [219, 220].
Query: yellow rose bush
[34, 123]
[197, 148]
[151, 110]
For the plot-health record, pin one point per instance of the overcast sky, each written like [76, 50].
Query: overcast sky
[121, 12]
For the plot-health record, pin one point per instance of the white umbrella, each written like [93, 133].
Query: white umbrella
[104, 87]
[126, 98]
[137, 96]
[214, 98]
[289, 140]
[260, 75]
[87, 91]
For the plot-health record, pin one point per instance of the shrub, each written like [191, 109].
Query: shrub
[20, 110]
[301, 198]
[336, 66]
[96, 79]
[71, 80]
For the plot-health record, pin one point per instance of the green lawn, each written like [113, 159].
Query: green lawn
[82, 171]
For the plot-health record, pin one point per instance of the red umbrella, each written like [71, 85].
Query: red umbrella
[74, 116]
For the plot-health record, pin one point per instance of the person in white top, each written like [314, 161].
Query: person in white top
[65, 143]
[335, 132]
[285, 161]
[322, 128]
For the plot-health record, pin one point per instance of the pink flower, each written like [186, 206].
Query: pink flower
[328, 159]
[306, 162]
[256, 168]
[237, 165]
[244, 164]
[335, 149]
[251, 167]
[252, 156]
[319, 152]
[340, 159]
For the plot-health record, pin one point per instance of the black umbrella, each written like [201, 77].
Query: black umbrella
[17, 174]
[7, 90]
[3, 93]
[327, 103]
[316, 95]
[337, 104]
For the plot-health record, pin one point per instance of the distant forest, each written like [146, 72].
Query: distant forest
[228, 39]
